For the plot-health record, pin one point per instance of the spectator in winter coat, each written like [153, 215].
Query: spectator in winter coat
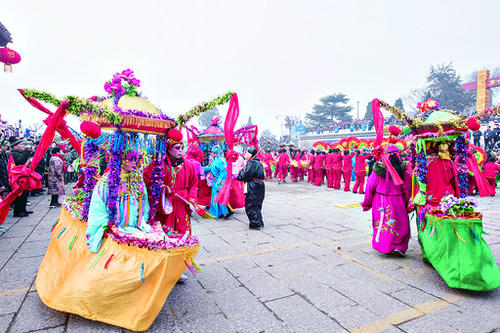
[57, 169]
[4, 174]
[488, 137]
[20, 157]
[477, 137]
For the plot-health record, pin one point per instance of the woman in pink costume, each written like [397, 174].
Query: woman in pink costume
[294, 170]
[267, 158]
[283, 163]
[388, 201]
[312, 159]
[329, 169]
[347, 169]
[360, 172]
[302, 170]
[490, 170]
[319, 160]
[337, 168]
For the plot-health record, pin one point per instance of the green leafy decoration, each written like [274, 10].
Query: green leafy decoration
[77, 105]
[204, 107]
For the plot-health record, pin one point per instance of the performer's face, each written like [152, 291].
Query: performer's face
[248, 156]
[130, 164]
[176, 151]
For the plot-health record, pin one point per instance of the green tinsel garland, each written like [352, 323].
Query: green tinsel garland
[199, 109]
[77, 105]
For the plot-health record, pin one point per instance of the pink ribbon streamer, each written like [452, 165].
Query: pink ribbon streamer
[232, 116]
[26, 177]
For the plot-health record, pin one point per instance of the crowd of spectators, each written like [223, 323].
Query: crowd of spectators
[488, 138]
[338, 126]
[53, 167]
[348, 126]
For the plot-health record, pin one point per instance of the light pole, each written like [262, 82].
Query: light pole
[282, 117]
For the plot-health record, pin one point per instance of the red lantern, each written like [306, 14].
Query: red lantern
[473, 124]
[90, 129]
[394, 130]
[9, 57]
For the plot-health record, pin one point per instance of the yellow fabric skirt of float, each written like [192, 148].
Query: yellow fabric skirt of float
[121, 285]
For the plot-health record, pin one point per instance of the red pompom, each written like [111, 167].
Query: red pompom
[394, 130]
[473, 124]
[90, 129]
[175, 135]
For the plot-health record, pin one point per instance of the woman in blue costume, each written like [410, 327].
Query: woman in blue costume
[218, 169]
[132, 204]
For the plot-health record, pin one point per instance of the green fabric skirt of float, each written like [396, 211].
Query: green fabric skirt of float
[457, 250]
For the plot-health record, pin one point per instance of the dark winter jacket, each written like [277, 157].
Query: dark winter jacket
[20, 156]
[253, 175]
[4, 175]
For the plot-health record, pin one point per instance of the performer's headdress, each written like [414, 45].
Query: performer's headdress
[174, 136]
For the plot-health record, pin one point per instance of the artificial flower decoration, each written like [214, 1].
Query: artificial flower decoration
[215, 121]
[378, 152]
[429, 104]
[473, 124]
[123, 83]
[394, 130]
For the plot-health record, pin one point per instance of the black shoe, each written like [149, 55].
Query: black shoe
[23, 214]
[28, 212]
[254, 227]
[228, 215]
[398, 253]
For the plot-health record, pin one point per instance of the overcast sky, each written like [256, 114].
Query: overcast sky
[279, 56]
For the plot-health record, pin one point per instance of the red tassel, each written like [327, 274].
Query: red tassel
[107, 261]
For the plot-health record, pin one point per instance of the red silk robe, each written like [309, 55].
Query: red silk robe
[186, 186]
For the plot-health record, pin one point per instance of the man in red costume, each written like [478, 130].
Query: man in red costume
[277, 168]
[337, 168]
[347, 169]
[267, 158]
[318, 166]
[329, 169]
[302, 157]
[312, 159]
[283, 163]
[179, 185]
[294, 170]
[360, 172]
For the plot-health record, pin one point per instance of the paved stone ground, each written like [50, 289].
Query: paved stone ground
[312, 269]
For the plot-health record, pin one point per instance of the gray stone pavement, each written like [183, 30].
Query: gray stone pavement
[311, 269]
